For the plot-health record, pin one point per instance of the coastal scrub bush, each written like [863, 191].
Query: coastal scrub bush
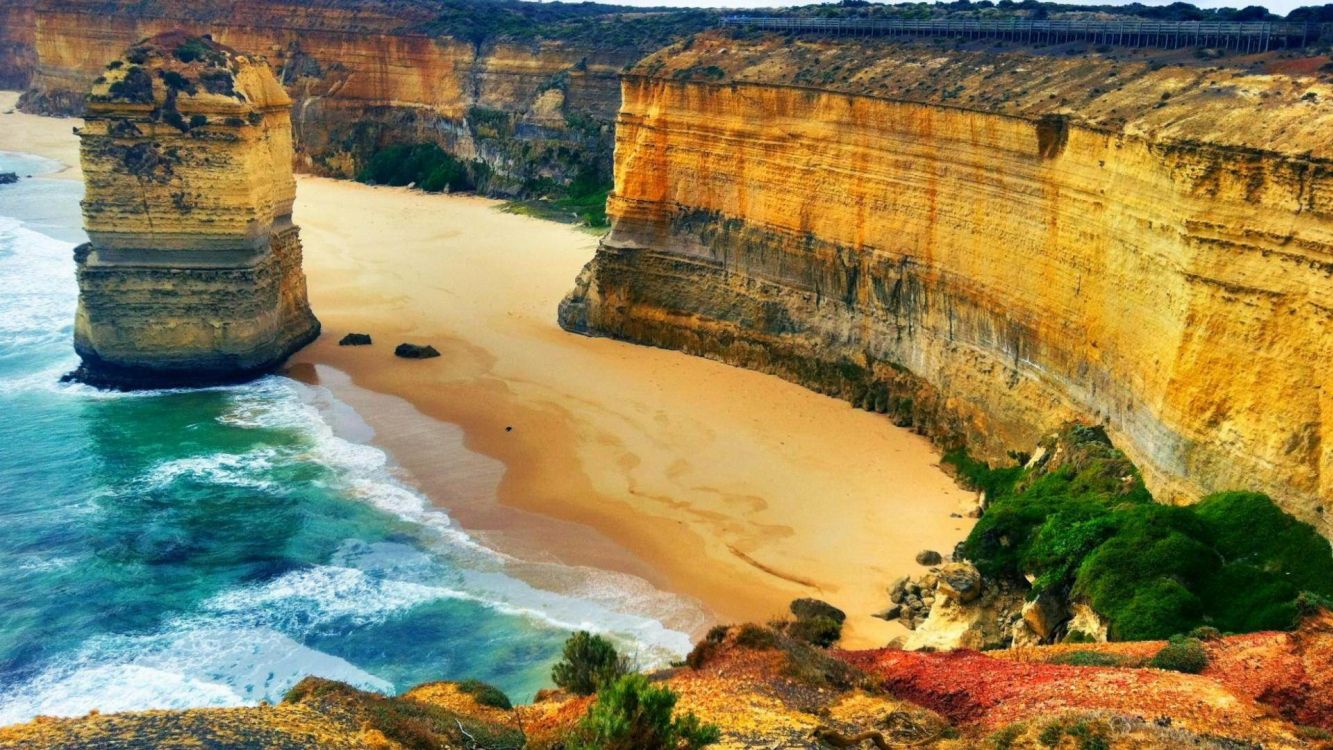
[1181, 655]
[1086, 735]
[1084, 525]
[818, 631]
[586, 197]
[756, 637]
[486, 694]
[425, 165]
[411, 724]
[136, 86]
[589, 662]
[631, 714]
[1091, 659]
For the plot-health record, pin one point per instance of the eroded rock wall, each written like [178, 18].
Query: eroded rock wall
[18, 26]
[365, 75]
[986, 276]
[192, 274]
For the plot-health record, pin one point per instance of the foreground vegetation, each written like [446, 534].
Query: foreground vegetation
[1082, 525]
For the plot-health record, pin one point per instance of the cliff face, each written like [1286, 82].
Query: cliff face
[363, 75]
[193, 269]
[1157, 259]
[18, 26]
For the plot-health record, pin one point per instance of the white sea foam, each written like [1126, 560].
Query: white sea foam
[40, 294]
[194, 663]
[323, 594]
[244, 645]
[230, 469]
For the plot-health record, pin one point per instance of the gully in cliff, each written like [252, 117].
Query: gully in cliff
[192, 275]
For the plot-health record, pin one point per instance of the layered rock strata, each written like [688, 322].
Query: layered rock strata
[18, 52]
[1154, 253]
[536, 111]
[193, 270]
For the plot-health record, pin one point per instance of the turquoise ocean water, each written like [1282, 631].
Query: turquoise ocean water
[211, 547]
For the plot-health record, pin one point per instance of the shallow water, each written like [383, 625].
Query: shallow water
[211, 547]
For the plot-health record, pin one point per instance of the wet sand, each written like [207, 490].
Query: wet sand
[51, 137]
[733, 487]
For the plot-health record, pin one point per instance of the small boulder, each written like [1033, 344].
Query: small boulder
[8, 178]
[890, 614]
[1044, 614]
[929, 557]
[898, 590]
[356, 339]
[960, 582]
[415, 351]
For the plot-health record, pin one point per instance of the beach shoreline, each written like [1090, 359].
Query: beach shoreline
[727, 486]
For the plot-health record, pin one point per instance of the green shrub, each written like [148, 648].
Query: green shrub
[412, 724]
[1087, 735]
[194, 48]
[631, 714]
[1091, 659]
[1004, 739]
[1086, 526]
[1181, 655]
[818, 630]
[1205, 633]
[589, 662]
[756, 637]
[136, 86]
[486, 695]
[425, 165]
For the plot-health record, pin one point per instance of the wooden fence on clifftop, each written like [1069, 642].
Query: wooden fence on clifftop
[1258, 36]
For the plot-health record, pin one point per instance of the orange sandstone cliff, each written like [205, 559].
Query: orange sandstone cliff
[985, 243]
[192, 274]
[531, 100]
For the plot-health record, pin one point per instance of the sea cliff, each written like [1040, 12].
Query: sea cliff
[531, 100]
[192, 273]
[985, 244]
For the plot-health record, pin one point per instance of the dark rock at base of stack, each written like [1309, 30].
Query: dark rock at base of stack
[355, 339]
[415, 351]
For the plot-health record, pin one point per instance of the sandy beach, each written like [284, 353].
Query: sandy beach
[729, 486]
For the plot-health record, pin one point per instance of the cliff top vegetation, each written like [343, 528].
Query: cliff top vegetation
[1078, 522]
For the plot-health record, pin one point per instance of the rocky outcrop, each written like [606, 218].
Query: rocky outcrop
[762, 689]
[534, 107]
[1154, 255]
[192, 274]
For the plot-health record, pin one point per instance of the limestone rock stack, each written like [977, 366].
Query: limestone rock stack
[193, 272]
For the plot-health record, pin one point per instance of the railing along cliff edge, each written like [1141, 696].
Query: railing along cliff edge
[1258, 36]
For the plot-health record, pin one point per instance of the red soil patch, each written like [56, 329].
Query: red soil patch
[972, 688]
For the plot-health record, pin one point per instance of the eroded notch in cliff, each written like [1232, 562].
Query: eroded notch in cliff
[1052, 135]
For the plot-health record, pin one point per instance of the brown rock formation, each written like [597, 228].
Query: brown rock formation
[363, 74]
[1155, 255]
[18, 52]
[193, 272]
